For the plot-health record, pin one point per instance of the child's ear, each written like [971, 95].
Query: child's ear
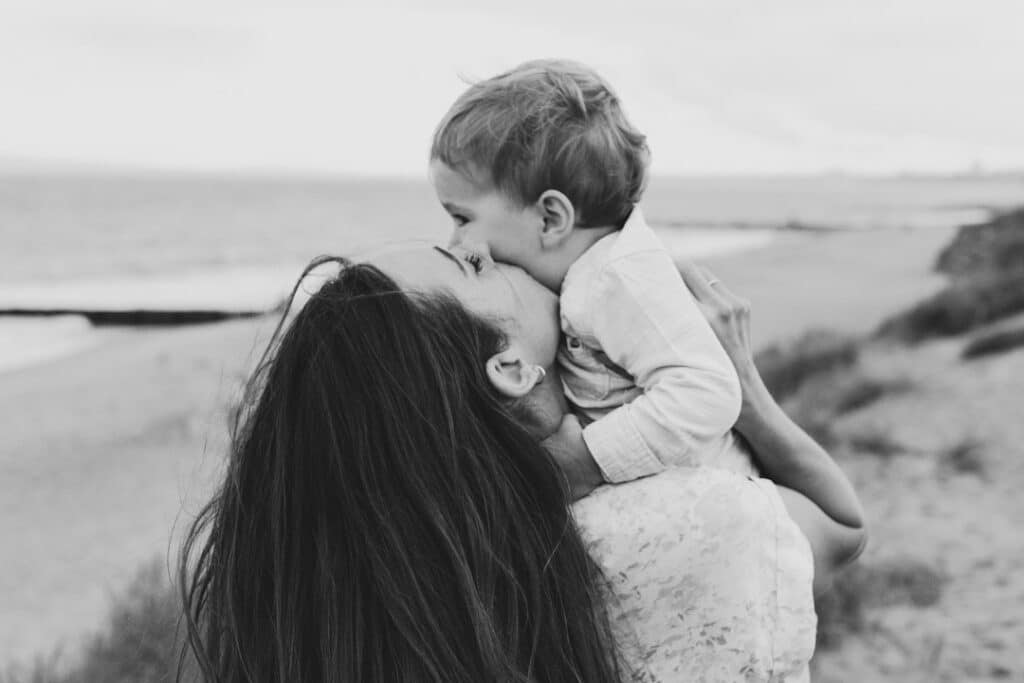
[511, 376]
[559, 218]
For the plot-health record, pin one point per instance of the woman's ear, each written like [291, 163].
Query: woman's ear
[511, 376]
[559, 218]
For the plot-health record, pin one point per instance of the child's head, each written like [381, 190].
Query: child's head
[515, 146]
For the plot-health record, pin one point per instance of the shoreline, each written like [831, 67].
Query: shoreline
[866, 276]
[133, 317]
[202, 296]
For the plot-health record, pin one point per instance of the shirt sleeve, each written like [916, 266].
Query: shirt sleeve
[647, 322]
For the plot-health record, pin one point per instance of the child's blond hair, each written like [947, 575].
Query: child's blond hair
[547, 124]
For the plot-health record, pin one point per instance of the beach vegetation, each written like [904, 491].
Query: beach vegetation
[986, 264]
[963, 306]
[785, 368]
[824, 398]
[991, 343]
[900, 580]
[993, 246]
[966, 456]
[859, 391]
[875, 442]
[140, 642]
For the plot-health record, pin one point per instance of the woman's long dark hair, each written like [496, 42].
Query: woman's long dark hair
[384, 517]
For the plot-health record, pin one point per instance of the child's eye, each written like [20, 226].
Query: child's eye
[460, 220]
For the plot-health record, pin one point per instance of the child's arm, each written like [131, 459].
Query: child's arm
[569, 452]
[647, 322]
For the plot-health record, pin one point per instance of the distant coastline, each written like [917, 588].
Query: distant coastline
[134, 317]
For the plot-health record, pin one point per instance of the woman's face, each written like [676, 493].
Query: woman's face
[525, 310]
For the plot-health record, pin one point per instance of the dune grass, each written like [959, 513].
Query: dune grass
[787, 367]
[900, 580]
[986, 263]
[140, 643]
[966, 456]
[859, 391]
[991, 343]
[997, 245]
[875, 442]
[819, 378]
[963, 306]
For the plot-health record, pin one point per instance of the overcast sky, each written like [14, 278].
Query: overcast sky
[719, 86]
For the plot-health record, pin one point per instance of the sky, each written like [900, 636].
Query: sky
[719, 87]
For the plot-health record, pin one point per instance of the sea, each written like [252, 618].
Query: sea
[150, 241]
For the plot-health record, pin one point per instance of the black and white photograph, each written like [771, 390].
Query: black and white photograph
[522, 342]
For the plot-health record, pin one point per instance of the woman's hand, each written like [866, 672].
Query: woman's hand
[817, 494]
[729, 317]
[728, 314]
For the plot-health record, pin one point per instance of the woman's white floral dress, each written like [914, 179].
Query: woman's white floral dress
[711, 579]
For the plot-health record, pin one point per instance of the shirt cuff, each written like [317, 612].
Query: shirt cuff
[618, 449]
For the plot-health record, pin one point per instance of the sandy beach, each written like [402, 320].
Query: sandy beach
[946, 528]
[105, 452]
[99, 452]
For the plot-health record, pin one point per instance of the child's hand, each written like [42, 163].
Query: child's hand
[571, 454]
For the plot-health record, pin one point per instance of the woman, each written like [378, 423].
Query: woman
[389, 515]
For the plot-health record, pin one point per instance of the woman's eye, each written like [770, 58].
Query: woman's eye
[476, 261]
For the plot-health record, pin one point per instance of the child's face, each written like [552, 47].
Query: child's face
[486, 221]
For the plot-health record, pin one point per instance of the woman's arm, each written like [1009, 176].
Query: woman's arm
[818, 496]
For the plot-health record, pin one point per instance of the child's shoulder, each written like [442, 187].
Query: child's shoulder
[633, 252]
[631, 260]
[636, 237]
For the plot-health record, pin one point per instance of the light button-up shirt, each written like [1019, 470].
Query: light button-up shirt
[640, 364]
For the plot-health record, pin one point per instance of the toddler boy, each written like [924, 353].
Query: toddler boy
[540, 168]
